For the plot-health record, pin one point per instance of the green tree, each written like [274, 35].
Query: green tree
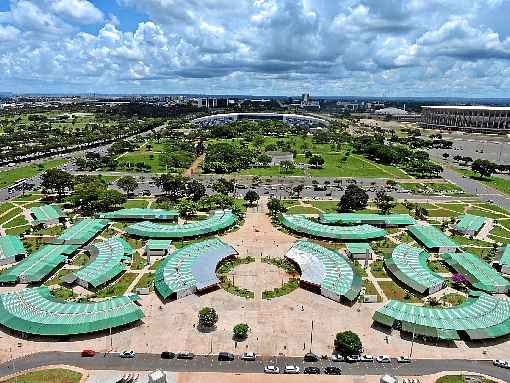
[195, 189]
[276, 206]
[173, 185]
[348, 343]
[384, 202]
[420, 212]
[354, 198]
[483, 167]
[316, 161]
[251, 196]
[207, 317]
[57, 180]
[298, 189]
[223, 186]
[287, 166]
[187, 207]
[241, 331]
[128, 184]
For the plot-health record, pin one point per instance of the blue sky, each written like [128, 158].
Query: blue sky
[265, 47]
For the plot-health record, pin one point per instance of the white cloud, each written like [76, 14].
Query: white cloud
[81, 11]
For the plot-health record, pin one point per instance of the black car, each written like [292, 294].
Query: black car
[312, 370]
[311, 357]
[167, 355]
[332, 370]
[225, 356]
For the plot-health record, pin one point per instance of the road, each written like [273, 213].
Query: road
[208, 363]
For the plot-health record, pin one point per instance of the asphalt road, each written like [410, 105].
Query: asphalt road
[208, 363]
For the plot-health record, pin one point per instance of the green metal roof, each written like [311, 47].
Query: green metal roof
[38, 265]
[301, 224]
[191, 268]
[482, 316]
[479, 273]
[159, 244]
[372, 219]
[431, 237]
[107, 262]
[81, 232]
[409, 265]
[36, 311]
[326, 269]
[358, 247]
[504, 255]
[46, 213]
[469, 222]
[141, 214]
[218, 220]
[10, 247]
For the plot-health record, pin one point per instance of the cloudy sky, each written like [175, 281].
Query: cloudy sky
[261, 47]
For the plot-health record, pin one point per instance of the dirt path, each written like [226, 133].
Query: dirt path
[193, 169]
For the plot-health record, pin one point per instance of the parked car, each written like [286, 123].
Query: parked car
[311, 357]
[185, 355]
[225, 356]
[248, 356]
[353, 358]
[337, 358]
[146, 192]
[271, 370]
[367, 358]
[167, 355]
[291, 369]
[501, 363]
[127, 354]
[312, 370]
[332, 370]
[403, 359]
[383, 359]
[88, 353]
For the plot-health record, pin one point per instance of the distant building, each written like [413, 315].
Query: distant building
[279, 157]
[291, 119]
[396, 114]
[468, 118]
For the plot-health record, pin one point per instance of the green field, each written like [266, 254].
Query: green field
[11, 176]
[136, 203]
[498, 183]
[118, 288]
[57, 375]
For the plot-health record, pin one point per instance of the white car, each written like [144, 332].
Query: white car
[271, 370]
[403, 359]
[367, 358]
[337, 358]
[501, 363]
[290, 369]
[383, 359]
[127, 354]
[248, 356]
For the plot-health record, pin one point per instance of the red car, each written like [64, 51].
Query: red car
[88, 353]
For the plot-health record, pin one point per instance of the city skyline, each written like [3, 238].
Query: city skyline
[360, 48]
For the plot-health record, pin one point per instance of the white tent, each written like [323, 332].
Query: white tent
[157, 377]
[388, 379]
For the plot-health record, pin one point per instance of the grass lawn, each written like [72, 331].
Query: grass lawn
[454, 299]
[498, 183]
[11, 176]
[394, 291]
[269, 171]
[303, 210]
[377, 269]
[17, 230]
[492, 207]
[57, 279]
[460, 379]
[136, 203]
[18, 221]
[29, 197]
[148, 158]
[146, 281]
[52, 230]
[155, 265]
[5, 207]
[80, 259]
[118, 288]
[326, 206]
[57, 375]
[437, 267]
[370, 289]
[62, 293]
[138, 262]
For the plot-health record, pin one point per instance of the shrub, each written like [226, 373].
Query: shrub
[207, 317]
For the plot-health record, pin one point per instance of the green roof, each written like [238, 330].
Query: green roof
[218, 220]
[107, 262]
[36, 311]
[326, 269]
[141, 214]
[409, 265]
[482, 316]
[479, 273]
[11, 247]
[504, 255]
[301, 224]
[38, 265]
[158, 244]
[81, 232]
[191, 268]
[431, 237]
[45, 213]
[358, 247]
[469, 222]
[372, 219]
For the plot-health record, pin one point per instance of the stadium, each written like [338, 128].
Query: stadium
[291, 119]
